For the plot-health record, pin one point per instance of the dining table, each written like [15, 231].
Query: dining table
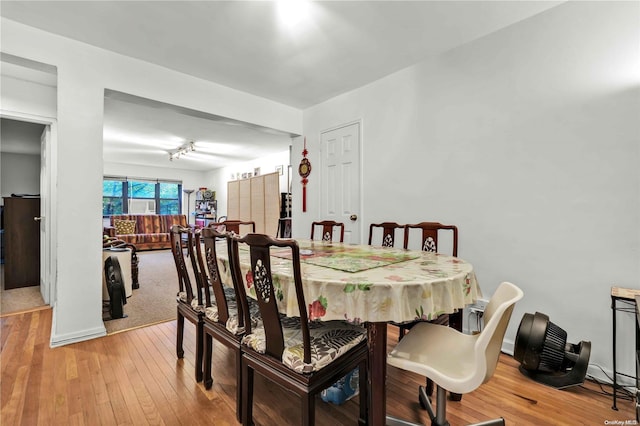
[366, 285]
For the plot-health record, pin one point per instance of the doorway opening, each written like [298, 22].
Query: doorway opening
[20, 163]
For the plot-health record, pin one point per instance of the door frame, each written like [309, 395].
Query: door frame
[360, 173]
[48, 198]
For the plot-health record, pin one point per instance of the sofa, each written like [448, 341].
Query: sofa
[145, 231]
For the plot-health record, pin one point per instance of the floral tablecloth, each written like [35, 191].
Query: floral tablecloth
[346, 258]
[388, 285]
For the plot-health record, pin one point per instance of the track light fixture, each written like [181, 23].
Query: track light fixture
[183, 150]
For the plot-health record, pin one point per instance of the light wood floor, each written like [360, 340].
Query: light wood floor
[134, 378]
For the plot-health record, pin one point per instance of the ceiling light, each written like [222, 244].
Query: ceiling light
[292, 12]
[183, 150]
[115, 135]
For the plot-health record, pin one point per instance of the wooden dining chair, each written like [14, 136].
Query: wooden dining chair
[327, 229]
[284, 227]
[235, 225]
[388, 233]
[189, 302]
[301, 356]
[223, 319]
[429, 233]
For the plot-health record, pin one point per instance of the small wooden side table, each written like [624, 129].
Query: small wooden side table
[638, 358]
[627, 298]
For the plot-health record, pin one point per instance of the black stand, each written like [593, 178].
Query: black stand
[637, 358]
[627, 298]
[571, 377]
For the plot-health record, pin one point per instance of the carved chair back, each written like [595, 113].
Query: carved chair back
[180, 235]
[430, 231]
[327, 229]
[236, 225]
[208, 259]
[388, 232]
[267, 294]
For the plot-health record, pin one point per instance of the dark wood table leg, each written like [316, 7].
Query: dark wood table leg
[377, 341]
[455, 321]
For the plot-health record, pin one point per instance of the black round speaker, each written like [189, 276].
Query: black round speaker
[115, 287]
[540, 344]
[542, 350]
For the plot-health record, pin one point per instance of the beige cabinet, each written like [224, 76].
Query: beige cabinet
[256, 199]
[233, 199]
[244, 208]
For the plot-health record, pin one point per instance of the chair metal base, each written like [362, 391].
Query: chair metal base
[393, 421]
[439, 418]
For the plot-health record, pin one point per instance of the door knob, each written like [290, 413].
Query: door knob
[38, 218]
[353, 217]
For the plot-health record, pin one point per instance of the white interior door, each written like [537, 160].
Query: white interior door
[45, 261]
[341, 192]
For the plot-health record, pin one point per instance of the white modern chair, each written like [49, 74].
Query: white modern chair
[456, 362]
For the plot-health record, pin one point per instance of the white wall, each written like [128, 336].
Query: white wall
[527, 140]
[217, 179]
[27, 97]
[19, 156]
[84, 72]
[20, 174]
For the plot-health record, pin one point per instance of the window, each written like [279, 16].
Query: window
[169, 199]
[140, 196]
[142, 189]
[112, 197]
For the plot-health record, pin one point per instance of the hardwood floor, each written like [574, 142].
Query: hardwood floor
[134, 378]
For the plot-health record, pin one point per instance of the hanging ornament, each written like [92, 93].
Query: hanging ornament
[304, 170]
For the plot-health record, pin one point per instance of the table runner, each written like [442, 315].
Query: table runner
[346, 258]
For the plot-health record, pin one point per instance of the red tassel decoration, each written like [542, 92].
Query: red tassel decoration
[304, 170]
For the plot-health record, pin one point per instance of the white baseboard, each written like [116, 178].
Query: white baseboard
[79, 336]
[58, 340]
[602, 375]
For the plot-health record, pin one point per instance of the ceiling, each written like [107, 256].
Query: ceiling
[143, 132]
[335, 47]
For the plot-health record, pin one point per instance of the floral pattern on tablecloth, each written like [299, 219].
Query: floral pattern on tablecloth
[347, 258]
[425, 286]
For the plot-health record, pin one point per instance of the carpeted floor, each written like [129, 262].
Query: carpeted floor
[18, 299]
[153, 302]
